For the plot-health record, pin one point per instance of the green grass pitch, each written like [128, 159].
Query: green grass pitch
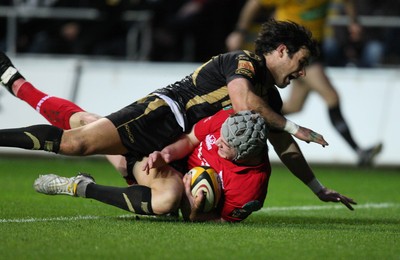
[293, 224]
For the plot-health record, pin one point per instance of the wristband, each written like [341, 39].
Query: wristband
[291, 127]
[315, 185]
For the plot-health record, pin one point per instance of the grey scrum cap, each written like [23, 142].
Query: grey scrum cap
[245, 131]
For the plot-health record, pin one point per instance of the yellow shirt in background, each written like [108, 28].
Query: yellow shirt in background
[311, 14]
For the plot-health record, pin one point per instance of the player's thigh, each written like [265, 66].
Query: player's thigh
[99, 137]
[165, 178]
[318, 81]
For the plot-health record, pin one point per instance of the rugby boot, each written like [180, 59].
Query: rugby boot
[8, 73]
[366, 157]
[52, 184]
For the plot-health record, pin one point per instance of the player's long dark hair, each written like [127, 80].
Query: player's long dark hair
[294, 36]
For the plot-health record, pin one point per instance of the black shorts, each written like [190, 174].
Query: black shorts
[145, 126]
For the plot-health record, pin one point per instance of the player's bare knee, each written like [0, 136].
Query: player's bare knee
[73, 144]
[333, 100]
[85, 148]
[167, 203]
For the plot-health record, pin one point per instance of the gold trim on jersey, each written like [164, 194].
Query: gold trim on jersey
[253, 55]
[213, 97]
[153, 105]
[196, 72]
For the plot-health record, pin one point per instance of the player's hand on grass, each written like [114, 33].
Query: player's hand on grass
[309, 135]
[328, 195]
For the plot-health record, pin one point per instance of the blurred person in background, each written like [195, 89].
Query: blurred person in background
[3, 26]
[27, 26]
[371, 48]
[192, 30]
[313, 15]
[103, 36]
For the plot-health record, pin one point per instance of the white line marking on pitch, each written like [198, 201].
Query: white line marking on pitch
[267, 209]
[337, 206]
[26, 220]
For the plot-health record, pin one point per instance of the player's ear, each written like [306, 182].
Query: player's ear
[281, 49]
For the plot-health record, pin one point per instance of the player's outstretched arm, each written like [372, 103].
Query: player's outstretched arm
[175, 151]
[290, 154]
[243, 97]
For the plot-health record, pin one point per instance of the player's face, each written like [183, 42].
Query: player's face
[290, 67]
[225, 150]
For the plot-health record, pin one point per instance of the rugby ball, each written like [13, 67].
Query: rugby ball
[206, 179]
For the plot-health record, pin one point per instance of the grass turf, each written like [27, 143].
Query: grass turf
[36, 226]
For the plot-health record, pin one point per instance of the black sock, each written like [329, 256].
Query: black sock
[135, 198]
[37, 137]
[341, 126]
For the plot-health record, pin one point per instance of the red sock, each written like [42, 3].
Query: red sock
[56, 110]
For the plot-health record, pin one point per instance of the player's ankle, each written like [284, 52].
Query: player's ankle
[17, 85]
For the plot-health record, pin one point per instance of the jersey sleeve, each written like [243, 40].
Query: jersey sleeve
[240, 64]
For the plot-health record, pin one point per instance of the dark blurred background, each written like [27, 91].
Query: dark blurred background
[179, 30]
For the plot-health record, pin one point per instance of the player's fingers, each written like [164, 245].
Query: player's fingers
[185, 179]
[200, 201]
[145, 163]
[186, 183]
[145, 168]
[320, 139]
[317, 138]
[350, 200]
[345, 202]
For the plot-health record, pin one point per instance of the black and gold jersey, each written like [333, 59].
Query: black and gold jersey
[149, 124]
[205, 91]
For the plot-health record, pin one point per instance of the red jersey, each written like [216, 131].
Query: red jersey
[244, 187]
